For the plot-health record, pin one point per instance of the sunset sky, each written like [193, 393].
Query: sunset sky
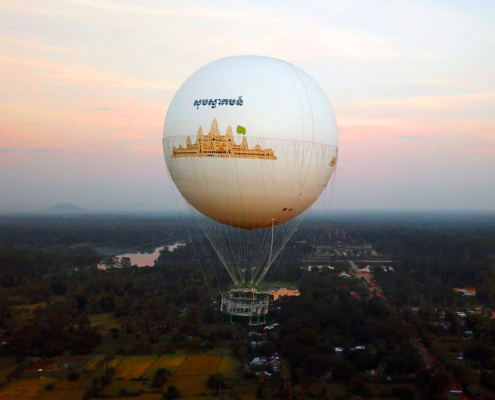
[85, 86]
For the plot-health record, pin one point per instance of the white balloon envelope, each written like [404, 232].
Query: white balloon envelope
[250, 142]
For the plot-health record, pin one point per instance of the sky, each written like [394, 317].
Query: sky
[85, 86]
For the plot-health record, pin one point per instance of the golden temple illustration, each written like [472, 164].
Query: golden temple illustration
[216, 145]
[333, 163]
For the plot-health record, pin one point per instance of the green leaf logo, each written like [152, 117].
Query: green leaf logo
[241, 130]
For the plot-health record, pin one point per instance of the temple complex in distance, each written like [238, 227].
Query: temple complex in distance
[216, 145]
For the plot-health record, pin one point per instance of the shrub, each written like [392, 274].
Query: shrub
[73, 376]
[172, 393]
[163, 373]
[124, 392]
[358, 387]
[403, 392]
[158, 382]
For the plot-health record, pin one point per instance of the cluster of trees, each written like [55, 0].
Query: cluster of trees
[48, 331]
[158, 309]
[326, 317]
[428, 285]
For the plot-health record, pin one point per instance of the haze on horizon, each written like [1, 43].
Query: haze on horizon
[85, 86]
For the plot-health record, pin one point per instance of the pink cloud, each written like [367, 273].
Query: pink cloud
[76, 75]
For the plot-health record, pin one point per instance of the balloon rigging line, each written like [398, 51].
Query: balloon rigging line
[269, 257]
[190, 239]
[305, 273]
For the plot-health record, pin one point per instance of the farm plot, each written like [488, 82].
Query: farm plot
[169, 361]
[134, 367]
[30, 307]
[189, 385]
[28, 389]
[54, 368]
[199, 365]
[147, 396]
[115, 386]
[99, 318]
[208, 398]
[103, 322]
[230, 368]
[7, 364]
[93, 361]
[62, 395]
[64, 390]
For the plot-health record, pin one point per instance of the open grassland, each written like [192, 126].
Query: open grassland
[25, 389]
[199, 365]
[169, 361]
[134, 367]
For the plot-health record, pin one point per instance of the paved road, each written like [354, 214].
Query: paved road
[353, 265]
[429, 360]
[455, 392]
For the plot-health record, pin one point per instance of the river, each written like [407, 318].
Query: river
[147, 259]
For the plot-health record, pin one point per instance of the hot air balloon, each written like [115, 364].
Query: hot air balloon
[250, 142]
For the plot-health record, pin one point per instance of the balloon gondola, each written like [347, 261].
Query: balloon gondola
[251, 143]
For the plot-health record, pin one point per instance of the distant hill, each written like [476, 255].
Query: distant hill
[65, 209]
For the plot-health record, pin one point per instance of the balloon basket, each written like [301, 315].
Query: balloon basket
[244, 307]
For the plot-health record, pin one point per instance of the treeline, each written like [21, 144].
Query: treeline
[118, 231]
[418, 281]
